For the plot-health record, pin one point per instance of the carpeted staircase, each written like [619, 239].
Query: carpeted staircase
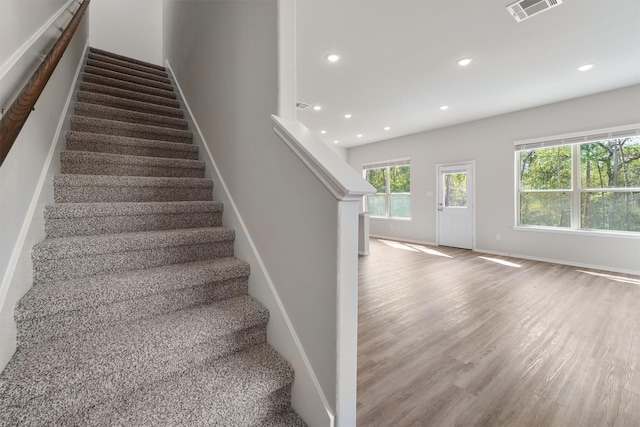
[139, 314]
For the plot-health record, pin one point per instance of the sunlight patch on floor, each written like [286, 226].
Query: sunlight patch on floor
[413, 248]
[613, 277]
[501, 261]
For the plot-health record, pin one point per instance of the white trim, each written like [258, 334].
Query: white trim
[336, 175]
[26, 224]
[263, 270]
[579, 232]
[13, 59]
[575, 137]
[403, 161]
[561, 262]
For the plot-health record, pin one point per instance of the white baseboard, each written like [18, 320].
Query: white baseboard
[559, 261]
[308, 399]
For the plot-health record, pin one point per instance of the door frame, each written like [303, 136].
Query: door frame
[471, 192]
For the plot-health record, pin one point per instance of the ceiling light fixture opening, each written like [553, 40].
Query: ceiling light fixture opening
[347, 116]
[359, 135]
[323, 131]
[387, 128]
[333, 57]
[464, 62]
[585, 67]
[336, 141]
[317, 107]
[444, 107]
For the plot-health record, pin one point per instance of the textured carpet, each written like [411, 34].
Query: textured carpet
[139, 314]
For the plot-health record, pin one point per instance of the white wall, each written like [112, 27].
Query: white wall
[128, 27]
[25, 172]
[224, 56]
[490, 143]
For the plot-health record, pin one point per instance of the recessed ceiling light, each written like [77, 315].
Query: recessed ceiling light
[317, 108]
[347, 116]
[333, 57]
[359, 135]
[336, 141]
[444, 107]
[585, 67]
[387, 128]
[464, 62]
[323, 131]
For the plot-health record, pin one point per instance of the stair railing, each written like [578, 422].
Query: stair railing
[16, 115]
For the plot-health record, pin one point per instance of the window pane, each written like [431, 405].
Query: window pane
[399, 179]
[546, 168]
[610, 163]
[455, 189]
[377, 178]
[609, 210]
[375, 204]
[546, 209]
[399, 206]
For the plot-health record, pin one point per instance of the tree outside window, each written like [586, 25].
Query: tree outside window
[392, 183]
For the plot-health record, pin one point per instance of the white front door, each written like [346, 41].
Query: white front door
[455, 205]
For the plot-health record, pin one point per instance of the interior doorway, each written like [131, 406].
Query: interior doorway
[455, 216]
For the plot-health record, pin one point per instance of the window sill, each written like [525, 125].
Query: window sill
[571, 231]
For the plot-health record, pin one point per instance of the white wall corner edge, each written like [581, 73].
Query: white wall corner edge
[308, 398]
[30, 232]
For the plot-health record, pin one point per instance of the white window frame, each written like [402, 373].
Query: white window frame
[406, 161]
[575, 140]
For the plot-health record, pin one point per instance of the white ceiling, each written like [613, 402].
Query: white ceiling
[399, 61]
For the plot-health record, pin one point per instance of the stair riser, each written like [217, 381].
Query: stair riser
[131, 130]
[134, 147]
[86, 226]
[128, 78]
[73, 166]
[110, 66]
[128, 116]
[127, 65]
[126, 59]
[58, 402]
[69, 268]
[35, 331]
[127, 104]
[128, 94]
[121, 84]
[96, 194]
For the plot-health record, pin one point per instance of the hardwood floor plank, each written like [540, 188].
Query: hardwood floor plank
[450, 337]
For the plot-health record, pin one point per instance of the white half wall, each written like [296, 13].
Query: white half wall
[490, 143]
[128, 27]
[224, 55]
[26, 179]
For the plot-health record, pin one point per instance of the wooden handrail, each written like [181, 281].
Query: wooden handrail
[13, 120]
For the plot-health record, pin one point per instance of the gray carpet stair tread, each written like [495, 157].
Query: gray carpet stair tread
[233, 391]
[126, 58]
[123, 115]
[126, 77]
[73, 180]
[83, 210]
[289, 419]
[117, 359]
[127, 64]
[87, 141]
[134, 130]
[128, 104]
[112, 66]
[91, 163]
[86, 246]
[48, 299]
[126, 85]
[128, 94]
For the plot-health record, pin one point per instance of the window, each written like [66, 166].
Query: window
[392, 181]
[588, 182]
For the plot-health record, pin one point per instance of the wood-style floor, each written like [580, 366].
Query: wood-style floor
[447, 338]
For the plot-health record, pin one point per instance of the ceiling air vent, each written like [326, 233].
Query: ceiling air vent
[525, 9]
[301, 105]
